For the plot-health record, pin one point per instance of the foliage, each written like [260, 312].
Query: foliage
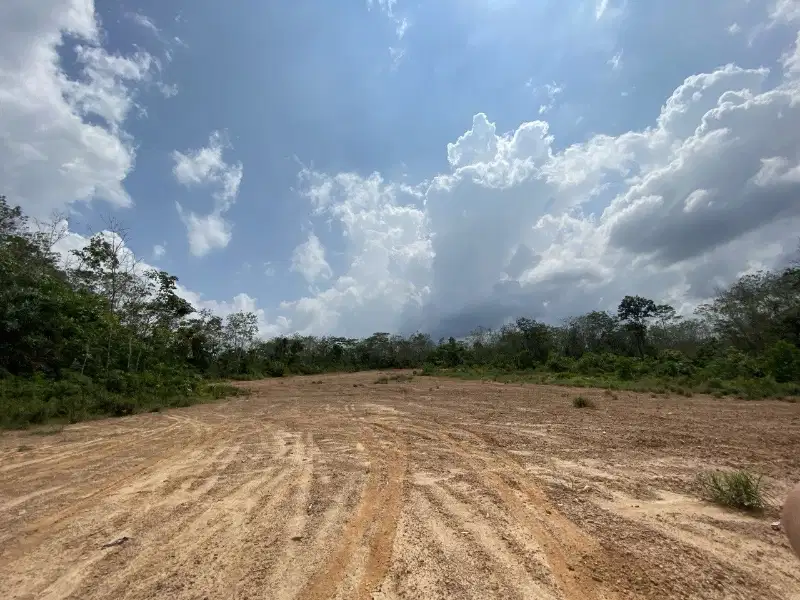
[582, 402]
[734, 489]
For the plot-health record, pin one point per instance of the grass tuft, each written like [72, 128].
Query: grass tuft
[582, 402]
[734, 489]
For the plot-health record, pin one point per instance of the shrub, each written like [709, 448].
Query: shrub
[558, 364]
[783, 362]
[277, 369]
[625, 368]
[382, 379]
[582, 402]
[734, 489]
[428, 369]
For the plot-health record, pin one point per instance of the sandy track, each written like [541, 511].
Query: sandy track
[337, 487]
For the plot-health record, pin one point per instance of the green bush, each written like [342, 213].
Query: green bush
[277, 369]
[558, 364]
[582, 402]
[783, 362]
[734, 489]
[35, 400]
[625, 370]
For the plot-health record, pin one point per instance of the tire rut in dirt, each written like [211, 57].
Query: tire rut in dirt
[360, 561]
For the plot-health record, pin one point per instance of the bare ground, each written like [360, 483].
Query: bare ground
[337, 487]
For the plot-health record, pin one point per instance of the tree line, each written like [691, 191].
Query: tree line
[97, 334]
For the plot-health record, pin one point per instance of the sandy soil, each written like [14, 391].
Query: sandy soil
[337, 487]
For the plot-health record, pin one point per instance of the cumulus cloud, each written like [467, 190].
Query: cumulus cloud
[308, 259]
[83, 153]
[205, 167]
[706, 193]
[785, 11]
[159, 250]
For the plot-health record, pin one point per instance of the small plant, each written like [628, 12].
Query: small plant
[383, 379]
[582, 402]
[734, 489]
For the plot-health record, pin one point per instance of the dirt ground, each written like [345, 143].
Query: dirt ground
[338, 487]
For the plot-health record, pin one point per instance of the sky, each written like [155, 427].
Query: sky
[342, 168]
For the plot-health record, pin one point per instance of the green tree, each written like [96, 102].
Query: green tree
[634, 312]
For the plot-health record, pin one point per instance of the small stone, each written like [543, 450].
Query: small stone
[297, 538]
[776, 526]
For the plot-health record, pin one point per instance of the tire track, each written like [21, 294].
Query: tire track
[556, 535]
[373, 525]
[517, 579]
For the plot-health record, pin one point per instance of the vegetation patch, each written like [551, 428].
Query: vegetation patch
[734, 489]
[582, 402]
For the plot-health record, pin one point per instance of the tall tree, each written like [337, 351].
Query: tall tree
[634, 312]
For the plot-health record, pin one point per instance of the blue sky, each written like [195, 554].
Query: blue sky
[346, 167]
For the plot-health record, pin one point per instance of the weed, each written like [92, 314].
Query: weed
[382, 379]
[582, 402]
[734, 489]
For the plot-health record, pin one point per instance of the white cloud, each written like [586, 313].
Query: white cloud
[387, 250]
[145, 22]
[168, 90]
[401, 26]
[785, 11]
[551, 91]
[159, 250]
[396, 54]
[600, 9]
[616, 61]
[734, 28]
[205, 167]
[205, 232]
[82, 154]
[308, 259]
[791, 60]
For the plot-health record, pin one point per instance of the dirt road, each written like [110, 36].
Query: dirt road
[338, 487]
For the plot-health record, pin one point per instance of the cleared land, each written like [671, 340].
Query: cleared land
[338, 487]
